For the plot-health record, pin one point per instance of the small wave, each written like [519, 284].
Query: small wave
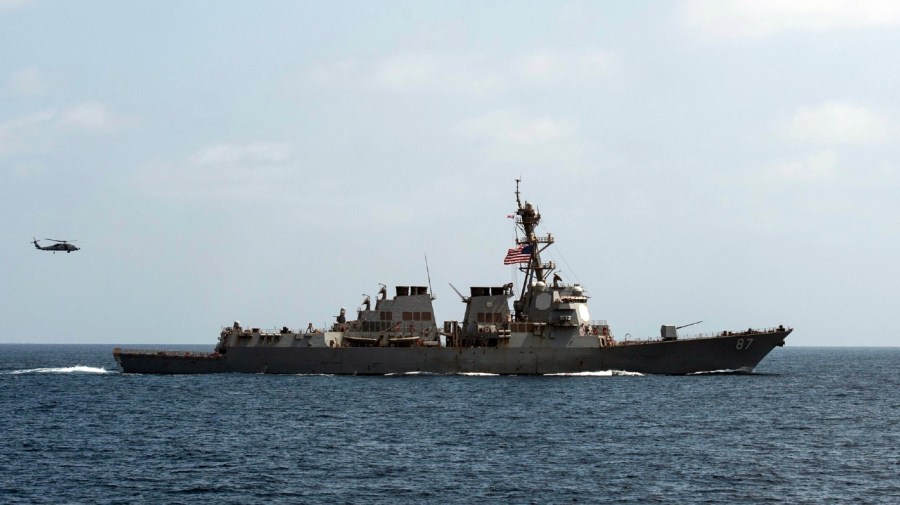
[601, 373]
[69, 369]
[724, 372]
[478, 374]
[627, 373]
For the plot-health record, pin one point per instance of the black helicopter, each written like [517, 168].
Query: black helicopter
[60, 245]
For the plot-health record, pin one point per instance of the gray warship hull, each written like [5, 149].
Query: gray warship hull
[676, 357]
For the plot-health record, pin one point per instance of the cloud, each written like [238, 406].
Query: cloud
[13, 133]
[468, 74]
[26, 82]
[817, 168]
[546, 66]
[513, 137]
[512, 127]
[245, 154]
[19, 133]
[833, 123]
[814, 193]
[760, 18]
[92, 116]
[334, 73]
[464, 74]
[13, 4]
[251, 171]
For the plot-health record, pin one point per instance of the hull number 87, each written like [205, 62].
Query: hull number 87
[743, 344]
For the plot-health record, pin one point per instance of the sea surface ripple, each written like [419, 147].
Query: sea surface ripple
[812, 425]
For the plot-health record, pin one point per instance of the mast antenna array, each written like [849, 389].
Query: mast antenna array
[518, 201]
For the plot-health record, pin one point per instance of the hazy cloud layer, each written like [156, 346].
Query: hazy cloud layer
[733, 160]
[512, 137]
[470, 74]
[816, 168]
[90, 117]
[839, 123]
[14, 4]
[760, 18]
[27, 82]
[224, 173]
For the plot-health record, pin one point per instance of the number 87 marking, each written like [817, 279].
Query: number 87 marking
[743, 345]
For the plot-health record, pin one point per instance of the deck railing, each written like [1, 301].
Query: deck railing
[149, 352]
[750, 331]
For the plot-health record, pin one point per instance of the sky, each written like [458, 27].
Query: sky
[734, 162]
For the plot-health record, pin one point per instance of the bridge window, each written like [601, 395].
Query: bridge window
[490, 317]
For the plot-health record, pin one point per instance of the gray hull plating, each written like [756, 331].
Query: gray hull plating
[658, 357]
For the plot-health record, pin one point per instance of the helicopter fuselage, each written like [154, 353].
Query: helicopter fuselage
[60, 245]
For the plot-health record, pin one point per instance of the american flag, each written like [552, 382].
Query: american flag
[521, 254]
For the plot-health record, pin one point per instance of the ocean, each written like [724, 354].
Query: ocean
[811, 425]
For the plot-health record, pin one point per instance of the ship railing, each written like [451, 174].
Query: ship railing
[265, 332]
[749, 331]
[157, 352]
[274, 332]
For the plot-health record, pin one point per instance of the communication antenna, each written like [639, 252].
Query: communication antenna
[518, 201]
[427, 271]
[464, 299]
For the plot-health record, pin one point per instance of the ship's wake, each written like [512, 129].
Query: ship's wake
[466, 374]
[69, 369]
[603, 373]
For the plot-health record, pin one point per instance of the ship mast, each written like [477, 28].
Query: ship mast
[527, 219]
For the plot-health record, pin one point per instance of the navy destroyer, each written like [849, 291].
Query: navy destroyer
[547, 330]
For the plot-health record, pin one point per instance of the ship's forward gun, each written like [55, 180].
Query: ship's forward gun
[670, 331]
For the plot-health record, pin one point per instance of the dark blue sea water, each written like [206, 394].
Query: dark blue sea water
[813, 425]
